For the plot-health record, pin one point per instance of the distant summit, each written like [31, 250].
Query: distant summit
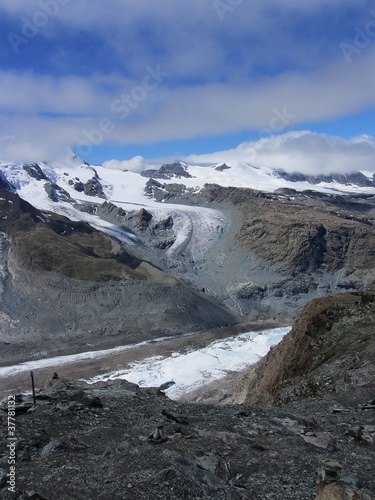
[352, 179]
[221, 168]
[168, 171]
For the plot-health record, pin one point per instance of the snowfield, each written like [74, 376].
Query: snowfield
[198, 368]
[194, 226]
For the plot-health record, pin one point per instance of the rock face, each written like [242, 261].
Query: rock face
[93, 188]
[77, 184]
[167, 191]
[142, 219]
[329, 352]
[4, 184]
[34, 170]
[356, 178]
[176, 169]
[222, 167]
[152, 233]
[297, 236]
[56, 193]
[110, 208]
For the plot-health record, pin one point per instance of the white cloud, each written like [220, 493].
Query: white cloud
[26, 92]
[74, 108]
[305, 152]
[46, 113]
[135, 164]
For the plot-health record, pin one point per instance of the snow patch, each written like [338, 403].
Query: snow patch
[198, 368]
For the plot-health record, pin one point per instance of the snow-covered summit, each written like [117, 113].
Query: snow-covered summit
[63, 187]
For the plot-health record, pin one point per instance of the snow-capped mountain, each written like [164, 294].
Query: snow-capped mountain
[78, 190]
[76, 182]
[173, 248]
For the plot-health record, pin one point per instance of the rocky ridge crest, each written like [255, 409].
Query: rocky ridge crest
[330, 352]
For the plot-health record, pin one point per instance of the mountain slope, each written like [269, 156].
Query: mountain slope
[258, 253]
[304, 232]
[172, 254]
[65, 285]
[42, 241]
[282, 249]
[329, 351]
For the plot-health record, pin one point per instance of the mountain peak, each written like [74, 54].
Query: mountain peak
[176, 169]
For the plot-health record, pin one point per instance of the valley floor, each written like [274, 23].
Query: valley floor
[89, 364]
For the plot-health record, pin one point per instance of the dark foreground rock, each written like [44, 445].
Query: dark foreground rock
[115, 440]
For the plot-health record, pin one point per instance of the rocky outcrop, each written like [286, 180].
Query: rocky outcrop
[93, 188]
[155, 190]
[111, 208]
[167, 192]
[355, 178]
[4, 184]
[115, 440]
[34, 170]
[329, 351]
[57, 193]
[77, 184]
[153, 233]
[221, 168]
[142, 219]
[333, 484]
[167, 171]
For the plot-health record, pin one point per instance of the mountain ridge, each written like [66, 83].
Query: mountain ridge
[329, 351]
[214, 250]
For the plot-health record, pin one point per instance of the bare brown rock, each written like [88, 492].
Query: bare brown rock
[332, 484]
[329, 350]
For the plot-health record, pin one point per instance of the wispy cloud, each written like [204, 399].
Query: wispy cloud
[223, 75]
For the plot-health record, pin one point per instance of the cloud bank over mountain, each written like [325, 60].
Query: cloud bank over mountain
[305, 152]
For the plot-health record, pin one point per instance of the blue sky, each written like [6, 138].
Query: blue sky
[117, 78]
